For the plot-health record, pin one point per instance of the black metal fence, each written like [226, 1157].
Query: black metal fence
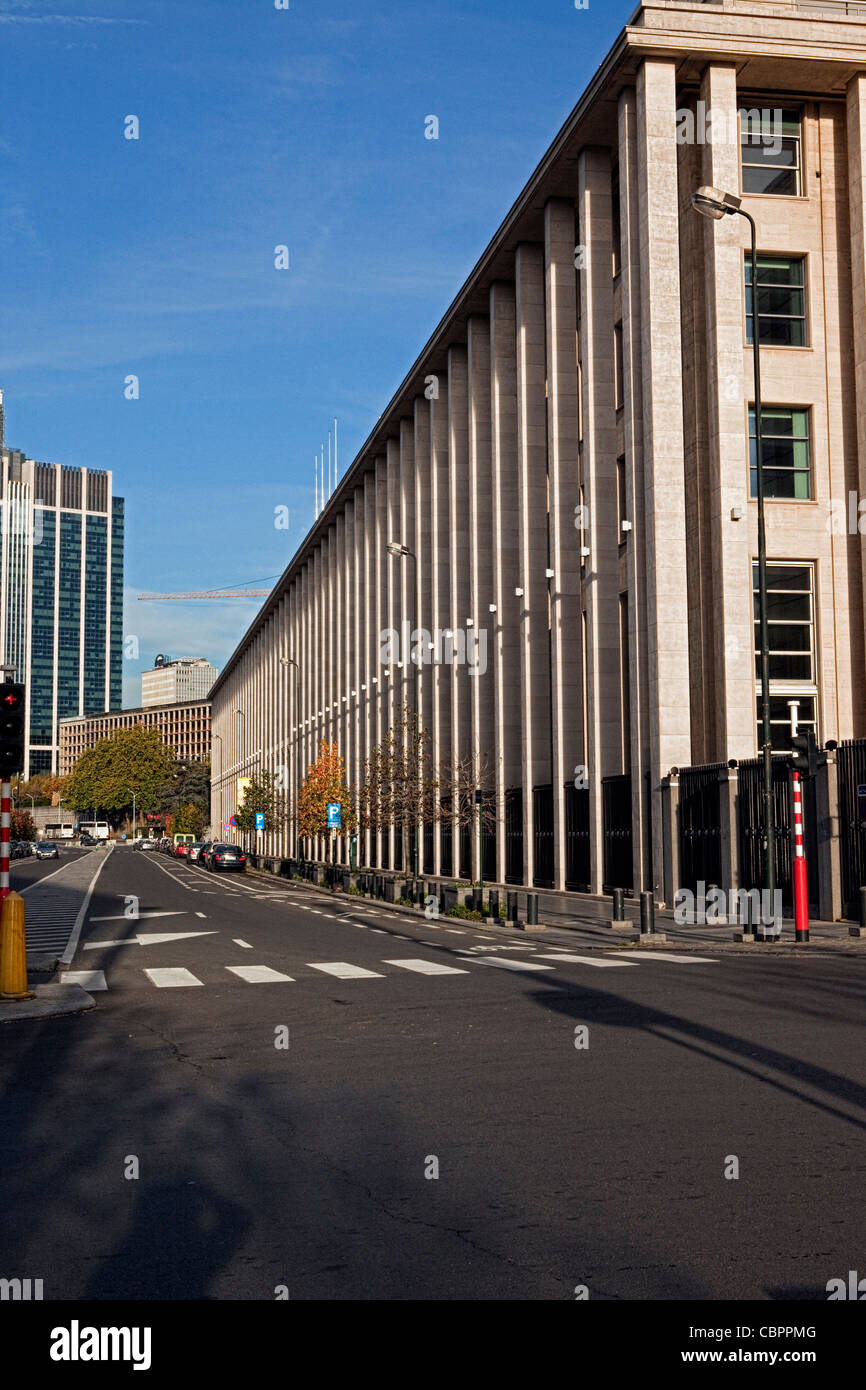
[851, 771]
[542, 820]
[700, 825]
[514, 835]
[616, 811]
[751, 832]
[577, 852]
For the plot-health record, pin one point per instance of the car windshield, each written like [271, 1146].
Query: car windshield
[48, 844]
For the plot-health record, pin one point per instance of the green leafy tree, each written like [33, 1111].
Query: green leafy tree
[105, 777]
[189, 820]
[187, 783]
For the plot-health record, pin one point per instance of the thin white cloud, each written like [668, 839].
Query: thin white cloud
[64, 19]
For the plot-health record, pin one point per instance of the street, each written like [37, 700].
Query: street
[281, 1093]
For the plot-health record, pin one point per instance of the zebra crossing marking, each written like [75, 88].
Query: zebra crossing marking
[588, 960]
[172, 977]
[669, 955]
[344, 971]
[259, 974]
[426, 967]
[90, 980]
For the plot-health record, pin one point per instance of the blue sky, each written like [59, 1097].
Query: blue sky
[155, 257]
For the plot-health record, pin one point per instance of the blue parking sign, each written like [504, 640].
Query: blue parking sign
[260, 820]
[333, 815]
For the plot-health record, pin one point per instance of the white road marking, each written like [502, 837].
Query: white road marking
[174, 977]
[426, 967]
[259, 974]
[513, 964]
[157, 938]
[201, 914]
[101, 945]
[72, 945]
[139, 916]
[452, 931]
[667, 955]
[344, 971]
[175, 877]
[378, 931]
[238, 942]
[587, 960]
[88, 979]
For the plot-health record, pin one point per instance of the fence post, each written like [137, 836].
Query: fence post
[829, 828]
[729, 859]
[670, 807]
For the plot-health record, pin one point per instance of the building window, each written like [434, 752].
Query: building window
[786, 452]
[770, 149]
[781, 301]
[793, 676]
[622, 509]
[618, 376]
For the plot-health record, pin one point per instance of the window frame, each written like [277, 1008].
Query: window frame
[766, 406]
[806, 346]
[802, 193]
[780, 688]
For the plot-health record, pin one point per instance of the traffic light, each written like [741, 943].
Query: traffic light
[12, 728]
[804, 758]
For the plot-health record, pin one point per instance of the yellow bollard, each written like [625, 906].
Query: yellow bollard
[13, 961]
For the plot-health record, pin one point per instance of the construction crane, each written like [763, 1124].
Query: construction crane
[232, 591]
[213, 593]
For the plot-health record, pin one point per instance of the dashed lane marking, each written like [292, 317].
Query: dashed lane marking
[238, 942]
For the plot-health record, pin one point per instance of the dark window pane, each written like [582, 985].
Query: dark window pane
[782, 183]
[790, 637]
[785, 577]
[787, 608]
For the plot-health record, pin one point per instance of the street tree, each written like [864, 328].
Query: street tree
[325, 782]
[263, 797]
[400, 786]
[21, 826]
[130, 762]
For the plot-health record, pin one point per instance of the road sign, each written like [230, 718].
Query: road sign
[233, 820]
[260, 820]
[333, 815]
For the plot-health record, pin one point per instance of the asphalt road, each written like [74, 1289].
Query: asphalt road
[261, 1165]
[23, 872]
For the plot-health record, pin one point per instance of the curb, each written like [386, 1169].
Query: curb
[52, 1001]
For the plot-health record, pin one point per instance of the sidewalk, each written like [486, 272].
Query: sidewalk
[56, 906]
[570, 917]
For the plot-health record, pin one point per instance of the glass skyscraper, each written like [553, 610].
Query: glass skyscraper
[61, 593]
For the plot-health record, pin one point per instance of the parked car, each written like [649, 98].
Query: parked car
[151, 845]
[47, 849]
[195, 850]
[204, 849]
[181, 850]
[229, 857]
[88, 841]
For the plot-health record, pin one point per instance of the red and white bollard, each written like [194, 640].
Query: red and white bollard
[801, 879]
[5, 820]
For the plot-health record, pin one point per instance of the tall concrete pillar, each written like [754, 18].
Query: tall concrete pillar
[632, 419]
[856, 125]
[382, 678]
[406, 535]
[562, 451]
[533, 535]
[506, 562]
[661, 528]
[481, 676]
[371, 648]
[423, 551]
[460, 596]
[601, 521]
[440, 554]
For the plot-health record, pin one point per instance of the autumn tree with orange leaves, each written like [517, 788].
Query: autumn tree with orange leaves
[325, 781]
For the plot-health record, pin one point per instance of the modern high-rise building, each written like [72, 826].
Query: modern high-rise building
[557, 511]
[61, 593]
[172, 681]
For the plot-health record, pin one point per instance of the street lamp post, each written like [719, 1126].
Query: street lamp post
[290, 661]
[715, 204]
[400, 551]
[214, 738]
